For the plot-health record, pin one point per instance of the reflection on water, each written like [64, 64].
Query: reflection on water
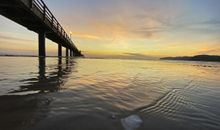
[20, 104]
[93, 94]
[46, 82]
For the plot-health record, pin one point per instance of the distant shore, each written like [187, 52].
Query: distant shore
[208, 58]
[19, 55]
[22, 56]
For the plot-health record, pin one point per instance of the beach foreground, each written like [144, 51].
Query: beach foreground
[108, 94]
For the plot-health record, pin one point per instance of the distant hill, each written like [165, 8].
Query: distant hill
[213, 58]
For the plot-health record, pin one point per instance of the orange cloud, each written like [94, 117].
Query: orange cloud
[86, 35]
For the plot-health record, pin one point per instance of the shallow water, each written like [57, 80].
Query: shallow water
[97, 94]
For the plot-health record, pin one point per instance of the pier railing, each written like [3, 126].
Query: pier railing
[51, 18]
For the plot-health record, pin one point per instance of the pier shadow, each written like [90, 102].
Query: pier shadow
[23, 108]
[47, 81]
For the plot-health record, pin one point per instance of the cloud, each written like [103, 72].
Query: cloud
[147, 26]
[149, 32]
[212, 22]
[210, 51]
[14, 38]
[118, 19]
[86, 36]
[137, 55]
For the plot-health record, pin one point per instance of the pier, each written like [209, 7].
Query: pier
[36, 16]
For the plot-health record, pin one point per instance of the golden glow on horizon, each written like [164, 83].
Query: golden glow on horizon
[120, 28]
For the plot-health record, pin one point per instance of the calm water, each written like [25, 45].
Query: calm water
[101, 94]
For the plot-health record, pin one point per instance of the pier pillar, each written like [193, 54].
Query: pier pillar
[70, 53]
[59, 61]
[59, 50]
[59, 73]
[42, 70]
[67, 52]
[41, 44]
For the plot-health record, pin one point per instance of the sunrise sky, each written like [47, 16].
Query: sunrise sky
[126, 28]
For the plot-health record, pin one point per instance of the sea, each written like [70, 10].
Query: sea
[108, 94]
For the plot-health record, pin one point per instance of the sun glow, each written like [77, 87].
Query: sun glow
[120, 27]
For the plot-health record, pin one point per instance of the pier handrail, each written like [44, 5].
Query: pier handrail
[49, 16]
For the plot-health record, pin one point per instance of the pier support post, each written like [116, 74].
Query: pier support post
[71, 53]
[41, 44]
[67, 52]
[59, 50]
[42, 71]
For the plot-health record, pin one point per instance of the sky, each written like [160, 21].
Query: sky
[126, 28]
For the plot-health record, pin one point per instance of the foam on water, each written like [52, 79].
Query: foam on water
[131, 122]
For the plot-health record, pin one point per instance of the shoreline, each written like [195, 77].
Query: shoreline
[204, 58]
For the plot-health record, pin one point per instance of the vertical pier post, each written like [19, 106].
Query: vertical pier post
[42, 71]
[71, 53]
[67, 52]
[41, 44]
[59, 50]
[59, 73]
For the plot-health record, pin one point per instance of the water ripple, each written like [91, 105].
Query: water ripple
[179, 105]
[87, 94]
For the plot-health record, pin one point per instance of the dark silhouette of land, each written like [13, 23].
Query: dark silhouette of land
[10, 55]
[211, 58]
